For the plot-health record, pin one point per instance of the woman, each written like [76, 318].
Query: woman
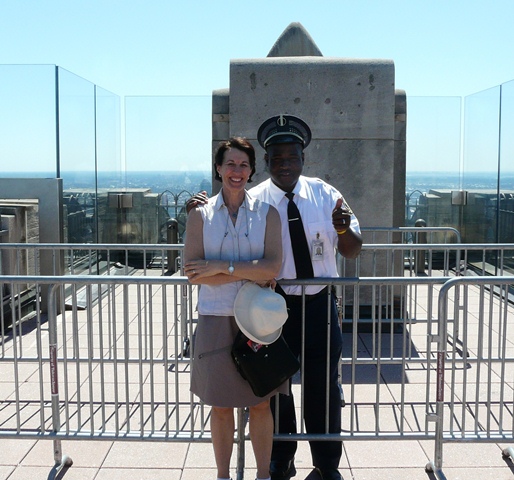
[232, 239]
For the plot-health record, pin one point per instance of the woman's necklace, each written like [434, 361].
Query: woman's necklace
[231, 213]
[233, 216]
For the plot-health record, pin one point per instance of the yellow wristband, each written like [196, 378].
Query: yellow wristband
[341, 232]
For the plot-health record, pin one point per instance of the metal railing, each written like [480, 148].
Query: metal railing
[106, 258]
[475, 365]
[410, 235]
[86, 258]
[111, 359]
[114, 368]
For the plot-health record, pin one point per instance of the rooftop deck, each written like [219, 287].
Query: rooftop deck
[385, 374]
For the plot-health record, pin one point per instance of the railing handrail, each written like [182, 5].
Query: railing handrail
[166, 246]
[94, 246]
[182, 280]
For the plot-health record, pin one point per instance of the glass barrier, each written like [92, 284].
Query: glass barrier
[433, 157]
[77, 149]
[108, 140]
[77, 162]
[27, 121]
[109, 172]
[479, 215]
[168, 151]
[506, 179]
[135, 191]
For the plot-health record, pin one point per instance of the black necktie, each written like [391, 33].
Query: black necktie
[302, 257]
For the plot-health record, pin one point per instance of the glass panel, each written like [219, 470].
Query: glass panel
[506, 213]
[77, 153]
[433, 158]
[480, 167]
[77, 159]
[108, 155]
[108, 140]
[168, 152]
[27, 121]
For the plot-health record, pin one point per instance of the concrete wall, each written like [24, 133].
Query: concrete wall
[358, 123]
[48, 193]
[20, 221]
[357, 120]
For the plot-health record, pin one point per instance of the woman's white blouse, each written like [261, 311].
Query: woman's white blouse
[222, 240]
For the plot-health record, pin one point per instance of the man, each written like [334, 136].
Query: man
[328, 224]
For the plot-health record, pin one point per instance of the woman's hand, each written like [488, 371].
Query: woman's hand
[268, 283]
[196, 269]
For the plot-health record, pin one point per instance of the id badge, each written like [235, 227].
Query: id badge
[317, 249]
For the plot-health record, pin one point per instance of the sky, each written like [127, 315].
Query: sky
[183, 48]
[134, 47]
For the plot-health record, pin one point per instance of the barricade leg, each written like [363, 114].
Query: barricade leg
[60, 460]
[241, 424]
[508, 453]
[436, 465]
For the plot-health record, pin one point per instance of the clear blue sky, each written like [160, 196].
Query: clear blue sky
[134, 47]
[161, 48]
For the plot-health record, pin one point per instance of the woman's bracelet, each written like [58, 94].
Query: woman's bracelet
[341, 232]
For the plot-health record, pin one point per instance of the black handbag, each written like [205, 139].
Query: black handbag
[264, 367]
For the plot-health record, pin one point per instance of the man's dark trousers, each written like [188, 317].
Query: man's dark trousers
[325, 454]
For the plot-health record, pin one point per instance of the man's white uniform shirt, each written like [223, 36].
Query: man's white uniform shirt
[315, 200]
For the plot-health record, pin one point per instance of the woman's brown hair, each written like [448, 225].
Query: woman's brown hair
[238, 143]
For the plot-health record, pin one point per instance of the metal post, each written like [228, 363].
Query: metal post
[421, 237]
[241, 423]
[60, 460]
[171, 239]
[436, 466]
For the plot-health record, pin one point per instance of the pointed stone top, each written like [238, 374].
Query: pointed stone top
[295, 41]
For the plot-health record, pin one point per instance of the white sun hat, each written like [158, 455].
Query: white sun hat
[260, 313]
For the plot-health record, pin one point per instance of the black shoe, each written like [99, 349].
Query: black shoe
[282, 470]
[329, 473]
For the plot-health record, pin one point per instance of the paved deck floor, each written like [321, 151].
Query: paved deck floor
[31, 459]
[362, 460]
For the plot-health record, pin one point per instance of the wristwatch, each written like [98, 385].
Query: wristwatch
[231, 267]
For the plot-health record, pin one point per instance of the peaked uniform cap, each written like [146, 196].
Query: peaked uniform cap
[284, 129]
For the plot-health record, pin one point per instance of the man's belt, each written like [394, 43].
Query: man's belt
[294, 299]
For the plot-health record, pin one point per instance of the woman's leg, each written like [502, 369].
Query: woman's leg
[222, 432]
[261, 435]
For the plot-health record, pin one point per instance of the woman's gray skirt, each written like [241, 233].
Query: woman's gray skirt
[214, 377]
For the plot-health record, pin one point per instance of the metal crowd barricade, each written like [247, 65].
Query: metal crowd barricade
[118, 370]
[419, 260]
[26, 259]
[114, 370]
[475, 365]
[110, 259]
